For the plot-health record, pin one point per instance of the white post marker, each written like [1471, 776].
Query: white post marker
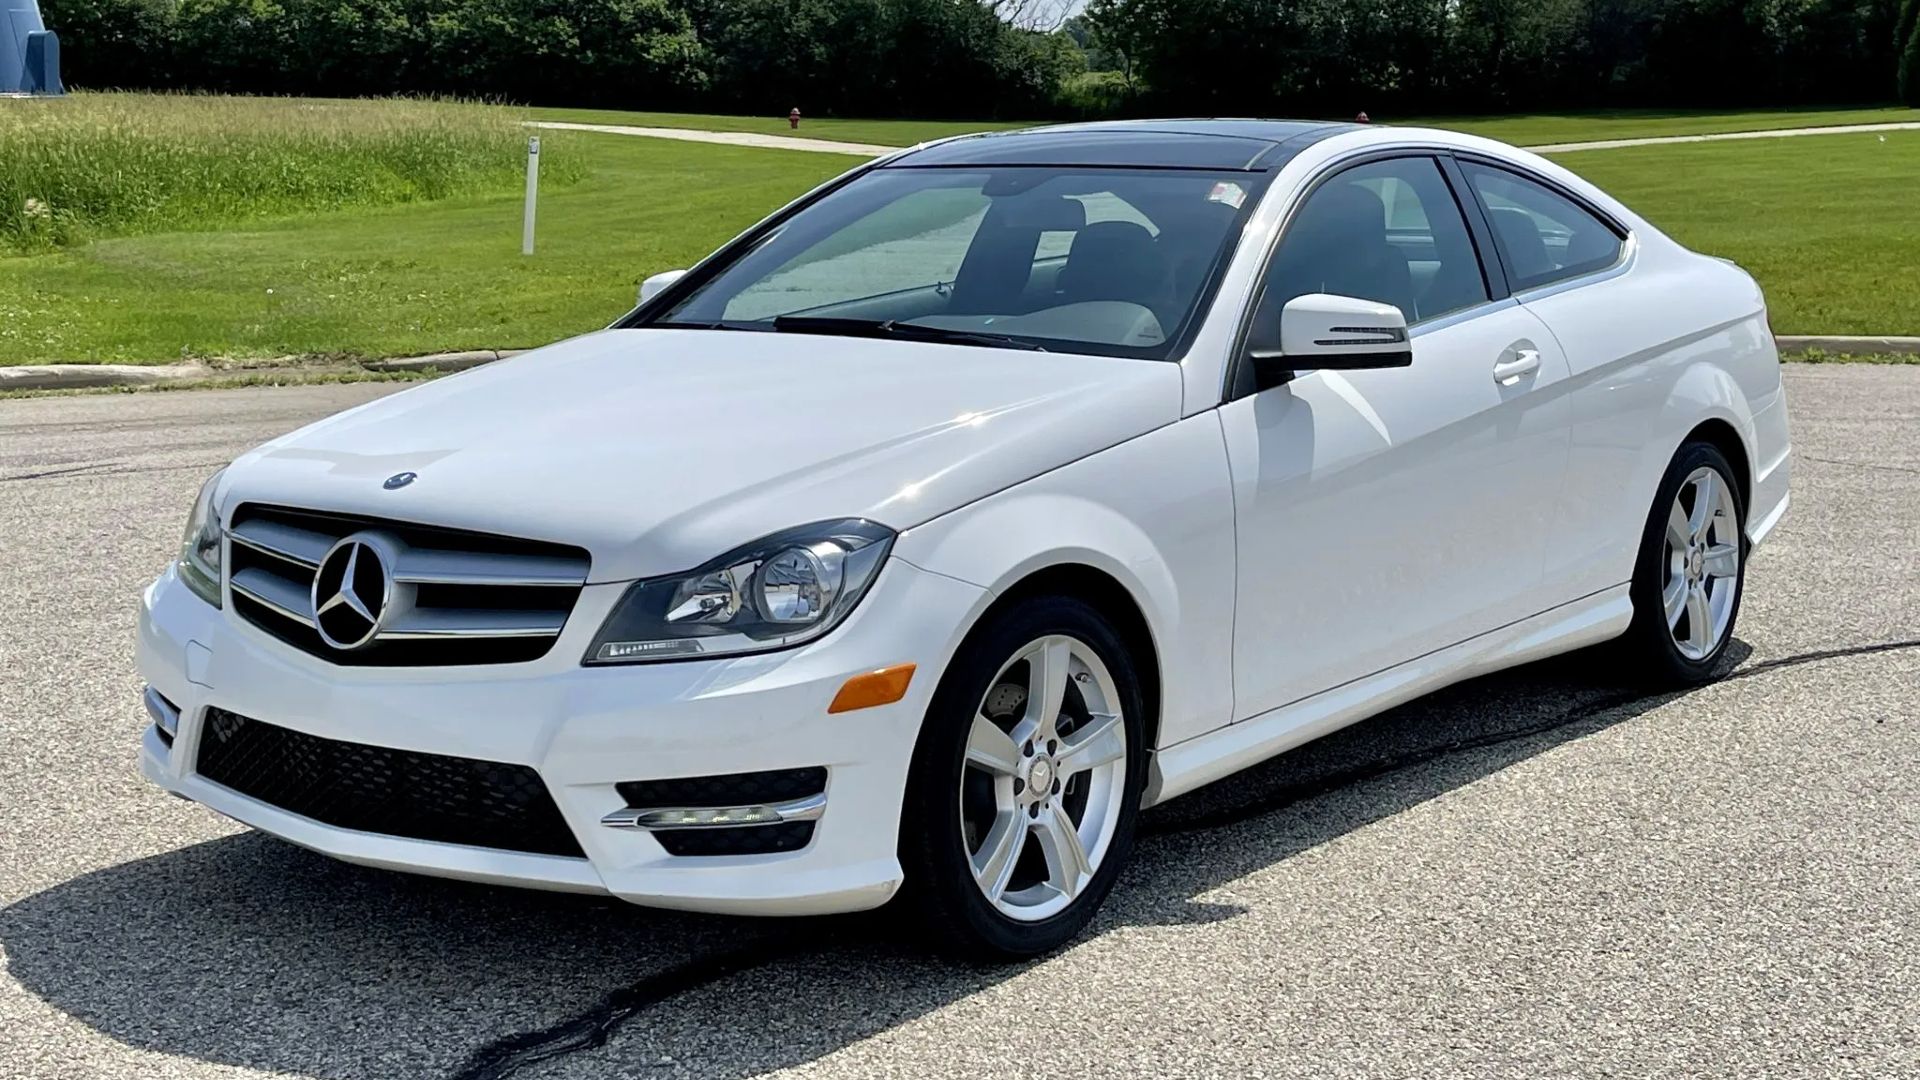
[533, 193]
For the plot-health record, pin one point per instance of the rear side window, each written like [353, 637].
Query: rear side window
[1543, 236]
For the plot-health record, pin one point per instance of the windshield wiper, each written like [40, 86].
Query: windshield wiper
[894, 328]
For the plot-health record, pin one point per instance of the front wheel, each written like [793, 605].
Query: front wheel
[1025, 784]
[1690, 572]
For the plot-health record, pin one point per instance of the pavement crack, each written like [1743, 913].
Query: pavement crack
[1862, 464]
[591, 1029]
[69, 470]
[596, 1026]
[106, 468]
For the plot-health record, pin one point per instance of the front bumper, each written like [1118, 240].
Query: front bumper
[584, 730]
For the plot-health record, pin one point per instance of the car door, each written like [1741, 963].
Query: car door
[1383, 514]
[1567, 263]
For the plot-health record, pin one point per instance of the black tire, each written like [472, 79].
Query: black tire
[1651, 655]
[940, 898]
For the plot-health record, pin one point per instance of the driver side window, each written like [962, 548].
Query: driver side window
[1388, 231]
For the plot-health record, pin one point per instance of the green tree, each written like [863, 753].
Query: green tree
[114, 43]
[1907, 40]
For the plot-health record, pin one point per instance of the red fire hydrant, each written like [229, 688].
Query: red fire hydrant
[793, 118]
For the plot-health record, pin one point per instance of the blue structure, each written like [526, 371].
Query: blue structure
[29, 52]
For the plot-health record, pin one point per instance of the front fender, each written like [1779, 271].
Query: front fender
[1156, 515]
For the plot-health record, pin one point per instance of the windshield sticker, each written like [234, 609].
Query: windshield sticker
[1226, 191]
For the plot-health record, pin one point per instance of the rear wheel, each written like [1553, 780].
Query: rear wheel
[1690, 572]
[1026, 782]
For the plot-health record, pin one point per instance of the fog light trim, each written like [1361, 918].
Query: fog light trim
[716, 817]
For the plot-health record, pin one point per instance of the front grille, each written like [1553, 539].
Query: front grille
[375, 789]
[430, 596]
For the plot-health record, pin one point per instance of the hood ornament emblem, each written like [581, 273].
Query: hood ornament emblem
[399, 480]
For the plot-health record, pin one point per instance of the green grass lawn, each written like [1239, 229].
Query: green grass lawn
[1826, 222]
[90, 165]
[1522, 130]
[1829, 224]
[405, 279]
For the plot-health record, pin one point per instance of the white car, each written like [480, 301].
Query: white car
[913, 542]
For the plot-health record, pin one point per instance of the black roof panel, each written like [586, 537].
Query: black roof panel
[1172, 144]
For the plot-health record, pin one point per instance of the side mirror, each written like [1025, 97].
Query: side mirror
[657, 284]
[1340, 333]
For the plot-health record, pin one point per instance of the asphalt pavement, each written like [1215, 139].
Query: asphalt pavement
[1539, 873]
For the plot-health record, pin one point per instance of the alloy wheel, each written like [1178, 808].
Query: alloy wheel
[1702, 563]
[1041, 793]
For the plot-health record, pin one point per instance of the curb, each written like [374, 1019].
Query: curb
[448, 362]
[1847, 346]
[92, 376]
[95, 376]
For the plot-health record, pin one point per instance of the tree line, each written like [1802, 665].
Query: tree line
[967, 58]
[1503, 55]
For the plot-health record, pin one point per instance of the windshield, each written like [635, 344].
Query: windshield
[1113, 261]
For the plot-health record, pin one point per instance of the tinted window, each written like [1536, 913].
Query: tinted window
[1389, 231]
[1114, 261]
[1543, 236]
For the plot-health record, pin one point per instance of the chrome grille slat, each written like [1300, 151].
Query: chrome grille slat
[290, 599]
[288, 542]
[431, 566]
[453, 596]
[470, 623]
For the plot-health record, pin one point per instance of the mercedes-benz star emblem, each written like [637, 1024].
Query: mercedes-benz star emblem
[352, 590]
[399, 480]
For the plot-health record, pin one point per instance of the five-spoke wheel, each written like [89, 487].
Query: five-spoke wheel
[1046, 762]
[1026, 781]
[1687, 580]
[1703, 563]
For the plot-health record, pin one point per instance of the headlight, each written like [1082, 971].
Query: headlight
[199, 560]
[786, 589]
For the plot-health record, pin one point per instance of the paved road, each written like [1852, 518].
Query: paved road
[828, 146]
[728, 138]
[1533, 875]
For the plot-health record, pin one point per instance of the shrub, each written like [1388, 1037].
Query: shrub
[1094, 94]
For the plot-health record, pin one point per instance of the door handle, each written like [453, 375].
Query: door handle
[1524, 362]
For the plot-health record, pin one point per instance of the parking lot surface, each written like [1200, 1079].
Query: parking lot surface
[1539, 873]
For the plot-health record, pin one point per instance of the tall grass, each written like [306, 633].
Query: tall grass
[98, 164]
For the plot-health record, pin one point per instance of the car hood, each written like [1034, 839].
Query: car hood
[658, 450]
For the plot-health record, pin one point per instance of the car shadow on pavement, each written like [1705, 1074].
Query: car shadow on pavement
[251, 952]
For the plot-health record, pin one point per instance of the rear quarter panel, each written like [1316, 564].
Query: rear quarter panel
[1666, 342]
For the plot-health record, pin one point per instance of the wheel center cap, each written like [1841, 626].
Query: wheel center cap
[1696, 564]
[1040, 776]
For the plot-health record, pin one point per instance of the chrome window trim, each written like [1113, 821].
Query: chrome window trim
[1460, 315]
[1629, 248]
